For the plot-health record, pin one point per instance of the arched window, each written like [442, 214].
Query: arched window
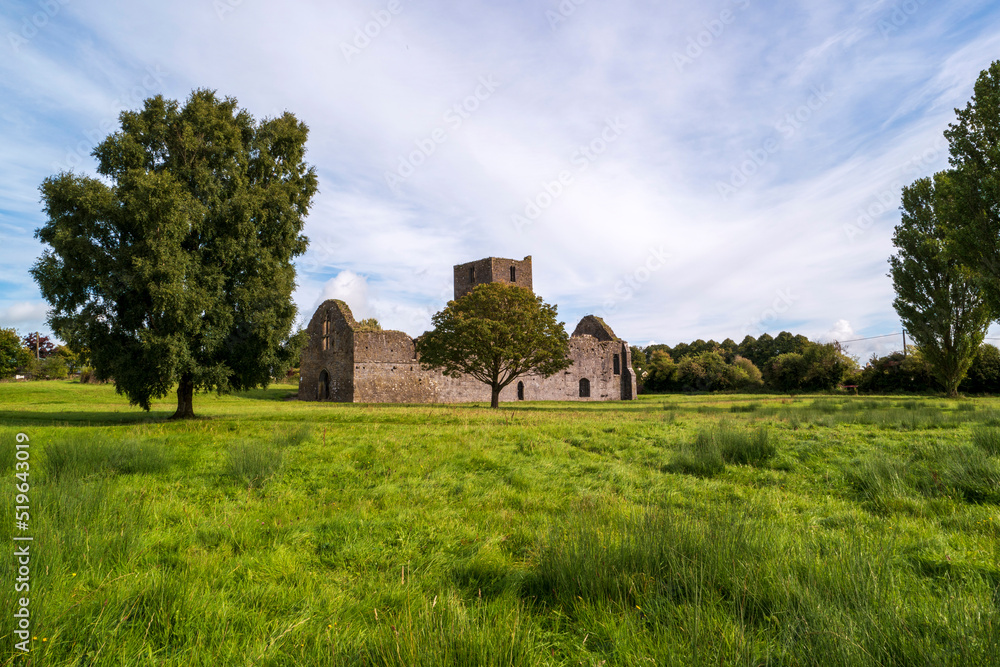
[324, 386]
[513, 274]
[584, 388]
[520, 391]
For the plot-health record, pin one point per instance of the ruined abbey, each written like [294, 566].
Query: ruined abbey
[349, 363]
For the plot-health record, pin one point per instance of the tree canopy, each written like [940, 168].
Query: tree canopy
[974, 147]
[39, 345]
[937, 298]
[175, 267]
[784, 363]
[13, 355]
[496, 333]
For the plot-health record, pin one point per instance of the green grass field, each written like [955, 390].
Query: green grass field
[672, 530]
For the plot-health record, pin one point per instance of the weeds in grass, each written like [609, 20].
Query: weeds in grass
[453, 632]
[80, 456]
[878, 480]
[987, 438]
[818, 600]
[749, 407]
[743, 447]
[252, 462]
[446, 535]
[702, 458]
[960, 470]
[714, 447]
[292, 436]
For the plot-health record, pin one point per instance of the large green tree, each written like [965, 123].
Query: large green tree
[936, 297]
[496, 333]
[175, 267]
[974, 146]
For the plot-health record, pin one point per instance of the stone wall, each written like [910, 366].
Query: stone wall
[381, 367]
[341, 363]
[331, 350]
[593, 360]
[492, 270]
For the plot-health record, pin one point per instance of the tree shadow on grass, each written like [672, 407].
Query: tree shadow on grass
[24, 418]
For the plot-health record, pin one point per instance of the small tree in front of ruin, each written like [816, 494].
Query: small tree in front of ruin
[496, 334]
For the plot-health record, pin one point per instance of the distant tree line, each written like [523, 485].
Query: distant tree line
[785, 363]
[35, 357]
[789, 363]
[912, 372]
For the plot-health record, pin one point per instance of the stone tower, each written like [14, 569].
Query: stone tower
[492, 270]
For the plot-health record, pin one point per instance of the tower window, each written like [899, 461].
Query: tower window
[520, 391]
[513, 274]
[584, 388]
[618, 365]
[472, 274]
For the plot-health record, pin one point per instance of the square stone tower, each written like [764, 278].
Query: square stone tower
[492, 270]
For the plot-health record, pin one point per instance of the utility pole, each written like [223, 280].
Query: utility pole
[38, 342]
[904, 342]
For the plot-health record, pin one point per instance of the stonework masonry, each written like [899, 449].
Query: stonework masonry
[492, 270]
[346, 363]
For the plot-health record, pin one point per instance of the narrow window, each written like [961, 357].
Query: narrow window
[584, 388]
[472, 274]
[326, 334]
[618, 365]
[513, 274]
[520, 391]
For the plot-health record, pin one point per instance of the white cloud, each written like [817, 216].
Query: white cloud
[24, 312]
[352, 289]
[841, 331]
[389, 254]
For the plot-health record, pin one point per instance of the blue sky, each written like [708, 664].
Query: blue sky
[687, 170]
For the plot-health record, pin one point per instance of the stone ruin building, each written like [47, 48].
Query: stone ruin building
[348, 363]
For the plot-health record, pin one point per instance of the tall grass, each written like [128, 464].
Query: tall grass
[878, 480]
[934, 471]
[750, 595]
[987, 438]
[549, 534]
[83, 455]
[252, 462]
[957, 470]
[724, 443]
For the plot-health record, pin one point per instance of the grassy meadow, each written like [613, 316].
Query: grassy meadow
[672, 530]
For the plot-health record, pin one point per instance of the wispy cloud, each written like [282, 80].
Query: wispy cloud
[656, 185]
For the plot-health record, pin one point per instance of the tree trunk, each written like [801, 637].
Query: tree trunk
[495, 397]
[185, 399]
[951, 385]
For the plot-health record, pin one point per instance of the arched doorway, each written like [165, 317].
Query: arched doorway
[520, 391]
[584, 388]
[324, 386]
